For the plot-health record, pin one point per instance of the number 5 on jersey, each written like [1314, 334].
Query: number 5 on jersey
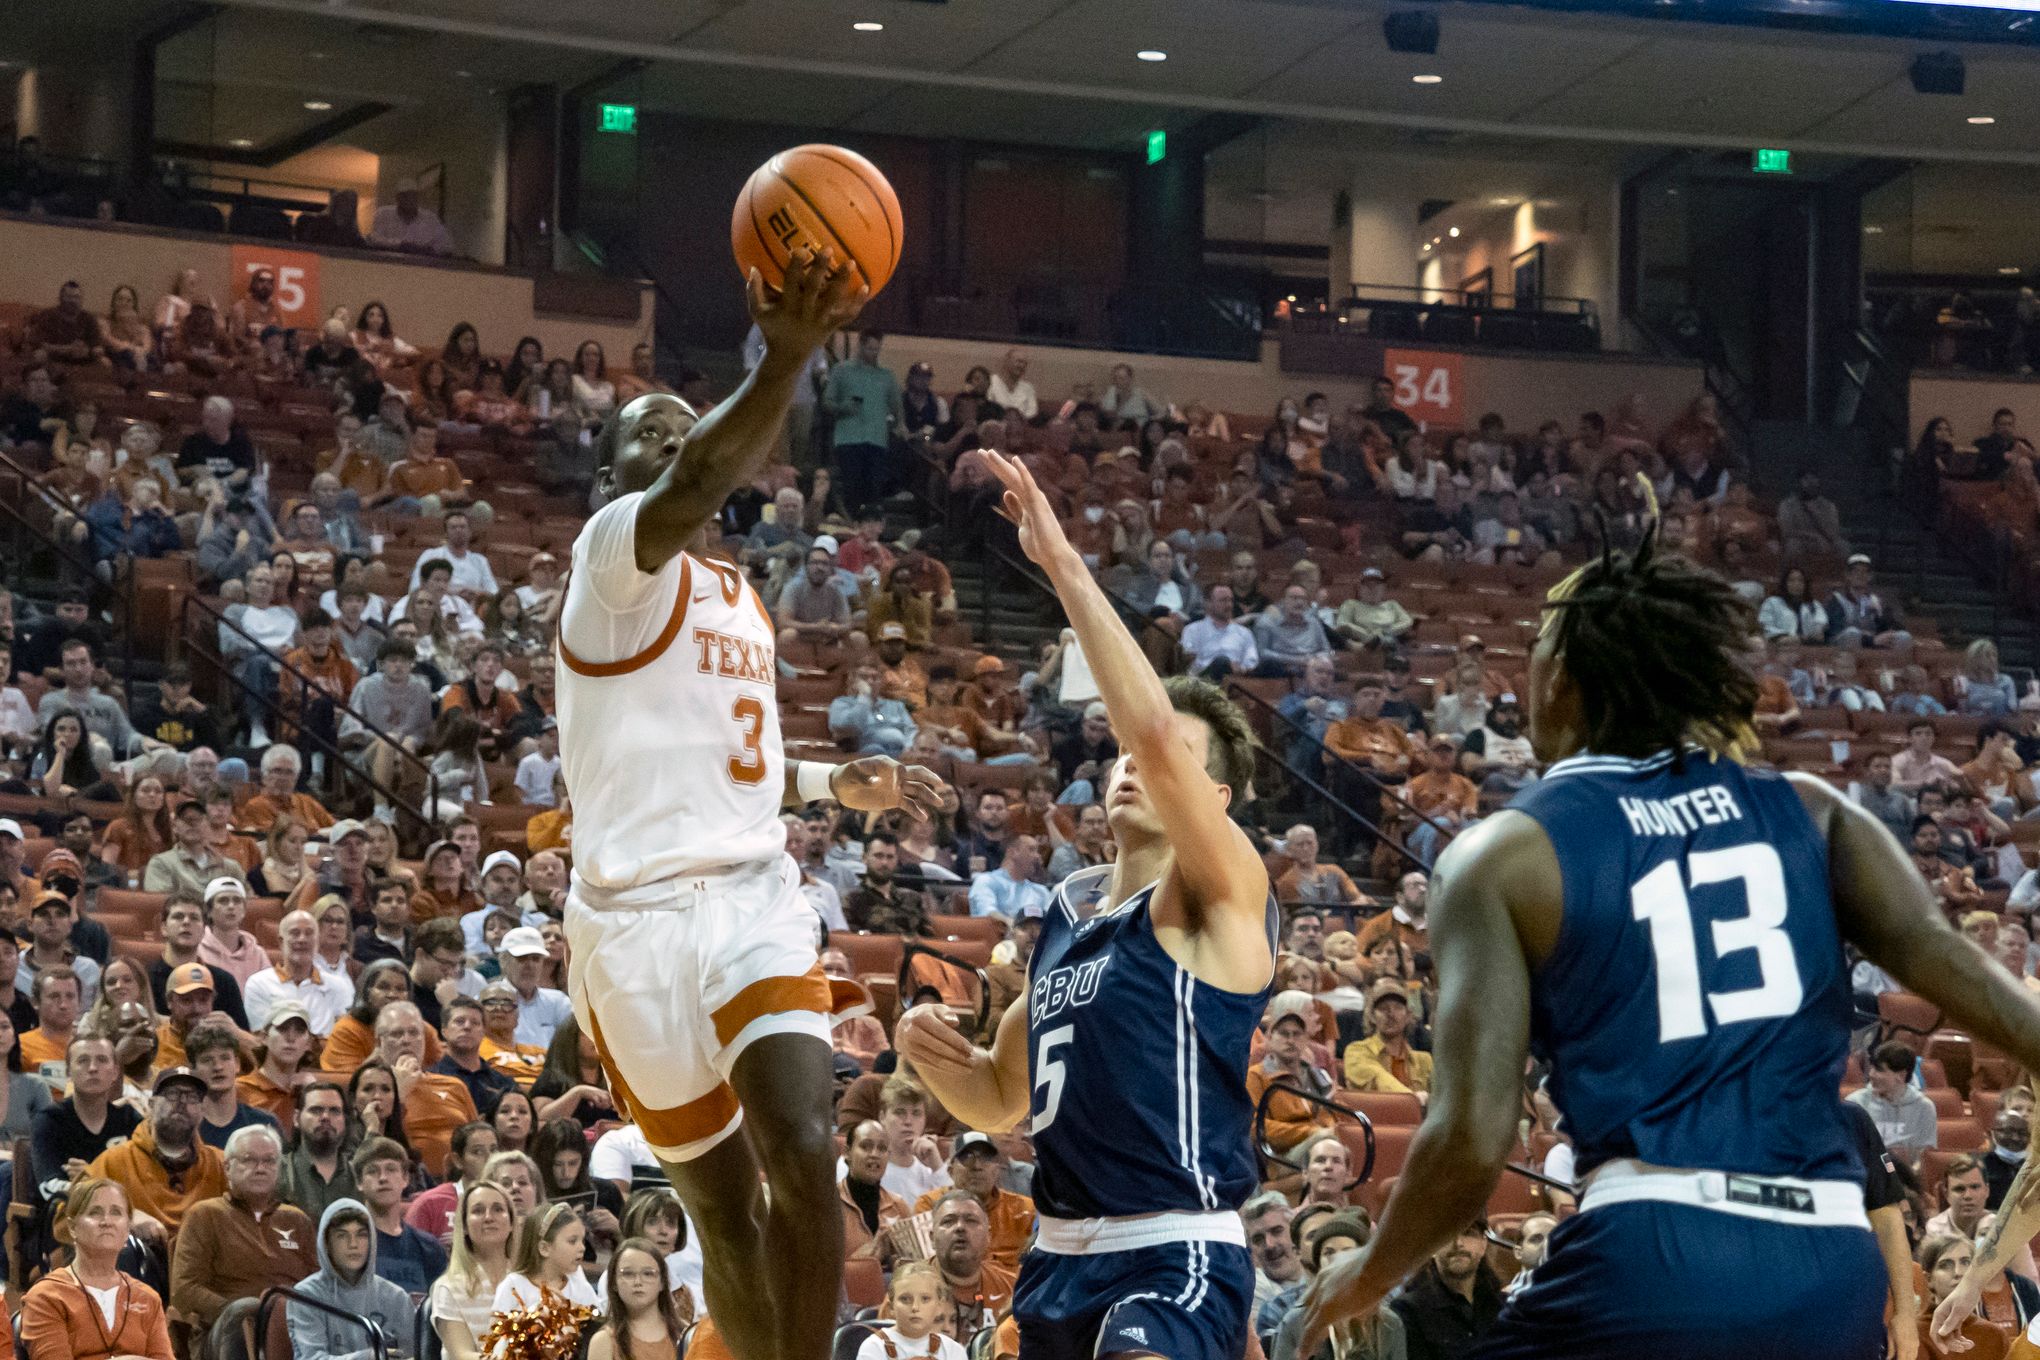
[1660, 899]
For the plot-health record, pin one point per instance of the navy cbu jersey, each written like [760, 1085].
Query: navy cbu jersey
[1138, 1070]
[1696, 1006]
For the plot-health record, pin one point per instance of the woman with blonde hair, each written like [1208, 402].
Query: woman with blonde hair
[122, 982]
[90, 1309]
[1985, 689]
[283, 859]
[516, 1175]
[463, 1299]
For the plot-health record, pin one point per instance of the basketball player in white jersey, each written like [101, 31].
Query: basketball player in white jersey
[694, 955]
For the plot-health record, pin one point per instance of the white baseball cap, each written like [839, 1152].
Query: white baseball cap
[10, 827]
[501, 857]
[522, 943]
[224, 884]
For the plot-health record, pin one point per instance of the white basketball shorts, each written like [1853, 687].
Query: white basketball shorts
[676, 984]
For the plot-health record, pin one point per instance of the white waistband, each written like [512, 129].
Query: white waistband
[1775, 1199]
[678, 892]
[1097, 1236]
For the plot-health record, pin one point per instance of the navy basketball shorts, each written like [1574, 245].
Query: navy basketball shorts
[1678, 1282]
[1181, 1300]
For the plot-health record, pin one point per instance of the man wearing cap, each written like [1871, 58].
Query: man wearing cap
[1384, 1060]
[343, 874]
[975, 1166]
[434, 1103]
[212, 1051]
[1373, 620]
[49, 933]
[1285, 1063]
[58, 1005]
[190, 863]
[502, 876]
[899, 603]
[812, 606]
[13, 863]
[1377, 746]
[1504, 757]
[164, 1168]
[188, 1000]
[500, 1046]
[225, 945]
[1857, 616]
[239, 1244]
[325, 996]
[540, 1010]
[408, 225]
[272, 1087]
[183, 925]
[65, 1137]
[1444, 796]
[901, 675]
[866, 720]
[62, 874]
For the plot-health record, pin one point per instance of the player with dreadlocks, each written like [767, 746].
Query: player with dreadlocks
[1664, 927]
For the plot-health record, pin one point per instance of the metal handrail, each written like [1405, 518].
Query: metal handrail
[123, 589]
[1386, 790]
[1268, 1151]
[331, 750]
[378, 1343]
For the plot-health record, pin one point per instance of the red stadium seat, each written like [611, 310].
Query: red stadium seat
[1514, 1194]
[863, 1283]
[1383, 1108]
[989, 929]
[1962, 1135]
[1983, 1107]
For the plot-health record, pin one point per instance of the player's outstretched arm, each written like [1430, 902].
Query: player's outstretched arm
[1215, 862]
[1886, 911]
[1479, 1042]
[818, 297]
[985, 1089]
[868, 784]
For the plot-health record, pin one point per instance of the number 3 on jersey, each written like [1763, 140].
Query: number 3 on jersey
[748, 765]
[1660, 899]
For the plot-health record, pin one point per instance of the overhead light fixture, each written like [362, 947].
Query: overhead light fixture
[1453, 232]
[465, 75]
[1152, 54]
[869, 26]
[241, 143]
[317, 105]
[2009, 269]
[1873, 231]
[1501, 202]
[316, 56]
[1980, 120]
[1427, 79]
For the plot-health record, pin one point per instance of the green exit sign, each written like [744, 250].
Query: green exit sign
[619, 118]
[1771, 160]
[1158, 146]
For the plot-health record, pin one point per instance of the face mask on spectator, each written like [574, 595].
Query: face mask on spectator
[1093, 513]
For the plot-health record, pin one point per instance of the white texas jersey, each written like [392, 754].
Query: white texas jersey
[668, 712]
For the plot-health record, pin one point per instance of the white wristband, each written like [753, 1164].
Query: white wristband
[811, 781]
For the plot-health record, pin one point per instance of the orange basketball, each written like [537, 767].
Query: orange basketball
[817, 197]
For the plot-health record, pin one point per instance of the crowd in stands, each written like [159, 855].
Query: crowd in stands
[284, 876]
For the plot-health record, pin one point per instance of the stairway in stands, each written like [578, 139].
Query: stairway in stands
[1912, 562]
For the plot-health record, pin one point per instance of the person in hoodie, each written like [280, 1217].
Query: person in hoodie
[346, 1279]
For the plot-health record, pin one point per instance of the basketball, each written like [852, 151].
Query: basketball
[821, 198]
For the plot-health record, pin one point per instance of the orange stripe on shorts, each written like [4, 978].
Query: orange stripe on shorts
[681, 1124]
[772, 996]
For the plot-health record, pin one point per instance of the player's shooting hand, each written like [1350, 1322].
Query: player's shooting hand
[880, 783]
[1041, 535]
[928, 1037]
[817, 297]
[1339, 1294]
